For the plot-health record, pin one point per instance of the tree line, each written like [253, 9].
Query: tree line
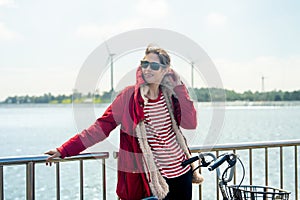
[49, 98]
[197, 94]
[216, 94]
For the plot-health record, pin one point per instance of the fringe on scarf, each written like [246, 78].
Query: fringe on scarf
[157, 183]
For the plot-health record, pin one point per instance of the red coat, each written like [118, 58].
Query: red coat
[127, 110]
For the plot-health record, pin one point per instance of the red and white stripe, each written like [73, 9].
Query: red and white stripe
[167, 153]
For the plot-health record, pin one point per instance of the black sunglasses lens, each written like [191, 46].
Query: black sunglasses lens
[154, 66]
[144, 64]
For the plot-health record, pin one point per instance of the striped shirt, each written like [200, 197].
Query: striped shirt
[167, 153]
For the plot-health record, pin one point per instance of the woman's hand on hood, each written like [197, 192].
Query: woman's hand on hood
[171, 79]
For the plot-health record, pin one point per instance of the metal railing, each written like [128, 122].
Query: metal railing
[265, 146]
[30, 162]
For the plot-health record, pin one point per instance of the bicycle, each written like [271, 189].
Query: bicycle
[236, 192]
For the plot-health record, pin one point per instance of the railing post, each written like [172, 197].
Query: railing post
[234, 177]
[1, 183]
[200, 185]
[57, 181]
[296, 173]
[266, 167]
[81, 179]
[250, 166]
[200, 191]
[217, 181]
[103, 180]
[30, 181]
[281, 167]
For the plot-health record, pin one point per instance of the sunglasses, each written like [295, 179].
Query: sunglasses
[153, 65]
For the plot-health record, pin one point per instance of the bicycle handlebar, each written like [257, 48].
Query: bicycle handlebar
[218, 162]
[214, 164]
[230, 158]
[189, 161]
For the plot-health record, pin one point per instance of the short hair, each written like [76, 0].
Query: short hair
[164, 57]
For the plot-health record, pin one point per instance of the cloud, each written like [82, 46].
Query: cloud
[23, 80]
[216, 19]
[6, 34]
[279, 73]
[7, 2]
[145, 13]
[156, 9]
[94, 31]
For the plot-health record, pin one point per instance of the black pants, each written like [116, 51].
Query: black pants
[180, 188]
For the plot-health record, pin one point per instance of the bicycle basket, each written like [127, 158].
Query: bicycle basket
[251, 192]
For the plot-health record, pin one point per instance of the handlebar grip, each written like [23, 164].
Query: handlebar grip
[218, 162]
[189, 161]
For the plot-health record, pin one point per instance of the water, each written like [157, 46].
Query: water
[34, 129]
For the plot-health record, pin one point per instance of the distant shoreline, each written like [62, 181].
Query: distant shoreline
[197, 94]
[208, 104]
[254, 103]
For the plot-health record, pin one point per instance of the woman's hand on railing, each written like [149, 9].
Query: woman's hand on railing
[53, 154]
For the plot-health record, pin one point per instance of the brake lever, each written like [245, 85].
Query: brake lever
[204, 163]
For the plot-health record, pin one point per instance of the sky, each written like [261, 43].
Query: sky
[44, 43]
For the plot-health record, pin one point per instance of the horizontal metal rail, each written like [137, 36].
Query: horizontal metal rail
[30, 162]
[246, 145]
[249, 146]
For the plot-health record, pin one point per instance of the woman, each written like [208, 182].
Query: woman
[152, 145]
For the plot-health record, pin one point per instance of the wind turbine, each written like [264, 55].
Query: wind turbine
[111, 55]
[263, 83]
[192, 74]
